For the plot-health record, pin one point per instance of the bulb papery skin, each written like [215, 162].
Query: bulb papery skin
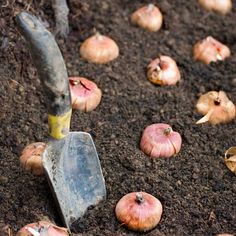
[148, 17]
[219, 6]
[42, 228]
[85, 95]
[155, 143]
[31, 158]
[139, 216]
[216, 107]
[210, 50]
[230, 159]
[99, 49]
[231, 163]
[163, 71]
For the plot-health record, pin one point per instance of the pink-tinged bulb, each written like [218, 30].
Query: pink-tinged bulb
[216, 108]
[159, 140]
[42, 228]
[85, 94]
[219, 6]
[31, 158]
[210, 50]
[224, 235]
[148, 17]
[99, 49]
[139, 211]
[163, 71]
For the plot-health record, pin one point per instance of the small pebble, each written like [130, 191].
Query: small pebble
[178, 183]
[195, 176]
[3, 179]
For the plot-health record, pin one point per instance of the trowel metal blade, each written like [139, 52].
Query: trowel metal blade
[74, 173]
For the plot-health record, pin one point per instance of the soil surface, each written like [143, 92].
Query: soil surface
[196, 189]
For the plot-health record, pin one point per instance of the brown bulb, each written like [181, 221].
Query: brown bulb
[220, 6]
[99, 49]
[148, 17]
[216, 108]
[230, 159]
[42, 228]
[31, 158]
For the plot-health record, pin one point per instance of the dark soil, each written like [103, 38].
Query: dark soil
[196, 189]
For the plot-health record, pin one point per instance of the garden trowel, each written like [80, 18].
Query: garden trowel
[70, 159]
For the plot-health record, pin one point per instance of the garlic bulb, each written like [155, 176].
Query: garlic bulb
[148, 17]
[99, 49]
[216, 108]
[210, 50]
